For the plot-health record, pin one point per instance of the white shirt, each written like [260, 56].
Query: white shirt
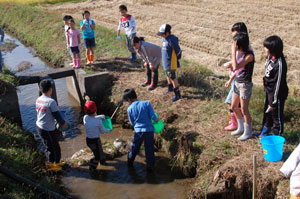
[127, 23]
[93, 126]
[291, 168]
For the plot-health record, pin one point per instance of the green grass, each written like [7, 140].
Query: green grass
[8, 76]
[43, 30]
[19, 154]
[291, 114]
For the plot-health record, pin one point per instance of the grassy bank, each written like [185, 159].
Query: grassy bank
[43, 30]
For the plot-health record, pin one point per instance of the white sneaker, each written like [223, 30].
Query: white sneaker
[240, 128]
[247, 133]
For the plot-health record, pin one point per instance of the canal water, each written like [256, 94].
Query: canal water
[115, 180]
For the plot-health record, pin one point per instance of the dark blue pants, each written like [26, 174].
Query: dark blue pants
[148, 138]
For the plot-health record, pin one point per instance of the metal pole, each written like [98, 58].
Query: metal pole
[254, 177]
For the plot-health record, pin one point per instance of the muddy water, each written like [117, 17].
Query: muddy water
[29, 93]
[114, 180]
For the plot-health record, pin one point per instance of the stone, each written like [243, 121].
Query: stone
[24, 65]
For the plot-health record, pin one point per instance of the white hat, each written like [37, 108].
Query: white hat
[164, 29]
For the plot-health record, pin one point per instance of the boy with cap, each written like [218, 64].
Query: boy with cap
[128, 23]
[47, 113]
[140, 115]
[171, 53]
[94, 127]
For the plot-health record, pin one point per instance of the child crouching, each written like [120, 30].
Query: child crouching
[94, 127]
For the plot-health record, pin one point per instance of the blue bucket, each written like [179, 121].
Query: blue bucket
[272, 147]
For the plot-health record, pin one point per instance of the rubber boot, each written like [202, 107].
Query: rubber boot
[133, 57]
[264, 132]
[88, 59]
[148, 81]
[154, 80]
[233, 123]
[92, 59]
[240, 128]
[78, 63]
[247, 132]
[93, 165]
[177, 95]
[170, 89]
[75, 63]
[130, 161]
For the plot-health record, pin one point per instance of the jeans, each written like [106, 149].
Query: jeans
[229, 96]
[148, 138]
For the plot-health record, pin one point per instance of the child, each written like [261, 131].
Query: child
[171, 53]
[1, 41]
[243, 85]
[236, 28]
[140, 114]
[291, 169]
[47, 113]
[74, 43]
[128, 23]
[66, 20]
[275, 86]
[151, 55]
[94, 127]
[87, 25]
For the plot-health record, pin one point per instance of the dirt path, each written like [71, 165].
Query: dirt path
[203, 27]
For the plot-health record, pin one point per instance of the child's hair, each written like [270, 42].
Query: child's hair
[137, 40]
[45, 85]
[86, 12]
[129, 94]
[71, 21]
[242, 40]
[239, 27]
[123, 7]
[275, 45]
[67, 17]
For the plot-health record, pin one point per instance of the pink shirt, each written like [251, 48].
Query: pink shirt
[73, 37]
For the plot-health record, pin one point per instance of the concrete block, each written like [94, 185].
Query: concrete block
[93, 85]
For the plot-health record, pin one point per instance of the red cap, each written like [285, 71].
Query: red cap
[90, 107]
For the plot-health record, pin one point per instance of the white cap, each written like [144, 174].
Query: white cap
[163, 29]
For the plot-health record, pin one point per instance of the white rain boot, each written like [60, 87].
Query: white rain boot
[247, 133]
[240, 128]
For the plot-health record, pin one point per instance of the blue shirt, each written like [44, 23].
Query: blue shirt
[171, 53]
[88, 32]
[140, 114]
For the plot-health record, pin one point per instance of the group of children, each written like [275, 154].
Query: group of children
[141, 113]
[87, 26]
[275, 85]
